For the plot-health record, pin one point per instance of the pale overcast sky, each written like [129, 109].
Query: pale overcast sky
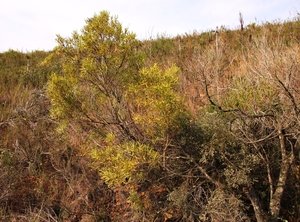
[33, 24]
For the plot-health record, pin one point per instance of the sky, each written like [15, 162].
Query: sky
[27, 25]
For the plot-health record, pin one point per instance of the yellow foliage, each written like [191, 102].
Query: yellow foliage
[155, 99]
[119, 163]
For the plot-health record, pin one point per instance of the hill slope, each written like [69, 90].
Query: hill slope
[202, 127]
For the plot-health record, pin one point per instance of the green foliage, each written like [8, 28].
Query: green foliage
[162, 46]
[179, 196]
[104, 51]
[135, 202]
[122, 163]
[63, 96]
[155, 99]
[6, 158]
[101, 80]
[97, 67]
[222, 206]
[24, 69]
[251, 95]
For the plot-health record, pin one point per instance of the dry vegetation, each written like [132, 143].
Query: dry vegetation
[202, 127]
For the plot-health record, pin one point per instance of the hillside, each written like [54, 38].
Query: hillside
[200, 127]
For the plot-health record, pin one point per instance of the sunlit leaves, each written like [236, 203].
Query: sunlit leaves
[62, 94]
[252, 95]
[155, 99]
[118, 163]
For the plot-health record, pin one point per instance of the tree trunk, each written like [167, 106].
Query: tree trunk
[260, 214]
[286, 161]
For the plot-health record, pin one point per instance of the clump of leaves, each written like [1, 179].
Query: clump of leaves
[123, 163]
[155, 99]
